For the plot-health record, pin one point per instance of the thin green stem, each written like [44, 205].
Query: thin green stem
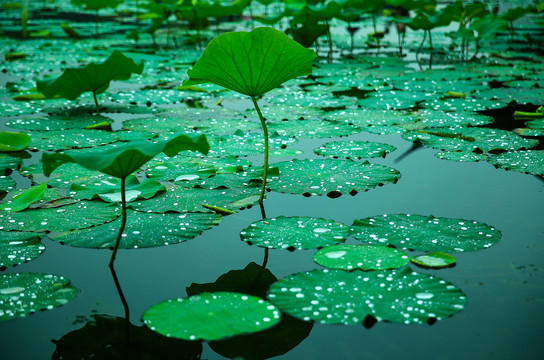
[96, 103]
[265, 130]
[123, 222]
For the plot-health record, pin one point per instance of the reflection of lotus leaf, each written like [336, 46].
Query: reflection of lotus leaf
[340, 297]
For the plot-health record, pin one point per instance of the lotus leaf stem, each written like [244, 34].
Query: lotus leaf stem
[265, 130]
[96, 103]
[123, 222]
[125, 304]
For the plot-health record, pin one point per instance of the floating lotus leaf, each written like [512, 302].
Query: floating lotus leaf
[434, 260]
[281, 113]
[364, 257]
[245, 144]
[468, 139]
[452, 104]
[179, 168]
[104, 337]
[8, 164]
[529, 161]
[13, 141]
[340, 297]
[25, 199]
[331, 177]
[437, 118]
[122, 161]
[425, 233]
[251, 63]
[211, 316]
[311, 128]
[18, 247]
[354, 149]
[76, 216]
[65, 175]
[94, 77]
[6, 183]
[239, 180]
[394, 99]
[371, 117]
[461, 156]
[44, 123]
[226, 165]
[142, 231]
[519, 95]
[180, 199]
[22, 294]
[295, 233]
[306, 99]
[71, 139]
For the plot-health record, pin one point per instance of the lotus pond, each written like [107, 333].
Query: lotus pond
[368, 186]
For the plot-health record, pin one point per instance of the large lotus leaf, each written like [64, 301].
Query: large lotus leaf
[142, 230]
[425, 233]
[180, 199]
[331, 177]
[251, 63]
[22, 294]
[371, 117]
[211, 316]
[110, 190]
[311, 128]
[453, 104]
[8, 164]
[56, 122]
[104, 337]
[245, 144]
[462, 156]
[94, 77]
[341, 297]
[434, 260]
[294, 233]
[394, 99]
[364, 257]
[530, 161]
[71, 139]
[13, 141]
[240, 180]
[80, 215]
[519, 95]
[18, 247]
[25, 199]
[122, 161]
[178, 168]
[469, 139]
[287, 97]
[354, 149]
[282, 113]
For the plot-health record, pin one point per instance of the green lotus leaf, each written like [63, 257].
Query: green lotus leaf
[97, 4]
[71, 139]
[66, 175]
[18, 247]
[294, 233]
[56, 122]
[104, 337]
[109, 191]
[529, 161]
[22, 294]
[331, 177]
[122, 161]
[142, 231]
[245, 144]
[452, 104]
[25, 199]
[94, 77]
[211, 316]
[469, 139]
[364, 257]
[434, 260]
[354, 149]
[325, 101]
[228, 165]
[536, 124]
[251, 63]
[13, 141]
[8, 164]
[311, 128]
[425, 233]
[6, 184]
[341, 297]
[64, 218]
[461, 156]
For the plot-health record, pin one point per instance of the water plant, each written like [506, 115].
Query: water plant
[94, 77]
[252, 63]
[122, 161]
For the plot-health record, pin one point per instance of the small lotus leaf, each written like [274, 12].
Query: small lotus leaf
[364, 257]
[18, 247]
[211, 316]
[294, 233]
[142, 231]
[13, 141]
[341, 297]
[425, 233]
[8, 164]
[251, 63]
[22, 294]
[434, 260]
[25, 199]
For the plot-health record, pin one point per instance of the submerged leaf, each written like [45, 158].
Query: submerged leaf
[251, 63]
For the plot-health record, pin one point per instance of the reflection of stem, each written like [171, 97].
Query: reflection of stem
[329, 39]
[419, 48]
[431, 46]
[96, 24]
[265, 259]
[125, 304]
[96, 103]
[265, 130]
[123, 222]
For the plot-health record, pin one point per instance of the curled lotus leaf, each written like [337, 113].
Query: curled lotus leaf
[13, 141]
[251, 63]
[294, 233]
[425, 233]
[211, 316]
[22, 294]
[342, 297]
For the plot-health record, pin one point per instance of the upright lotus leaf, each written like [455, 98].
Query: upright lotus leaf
[22, 294]
[252, 63]
[211, 316]
[13, 141]
[25, 199]
[94, 77]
